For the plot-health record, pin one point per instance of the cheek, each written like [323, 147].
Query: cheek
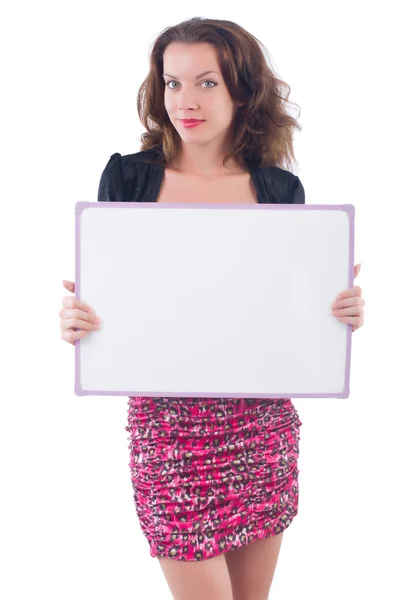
[168, 103]
[220, 106]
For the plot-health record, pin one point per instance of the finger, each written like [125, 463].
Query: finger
[78, 314]
[353, 291]
[356, 321]
[71, 336]
[352, 301]
[74, 323]
[73, 302]
[69, 285]
[351, 310]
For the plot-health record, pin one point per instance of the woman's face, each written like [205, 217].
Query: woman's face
[187, 96]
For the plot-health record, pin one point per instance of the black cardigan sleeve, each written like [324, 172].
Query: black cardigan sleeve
[296, 192]
[111, 182]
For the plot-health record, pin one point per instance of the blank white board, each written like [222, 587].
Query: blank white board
[214, 300]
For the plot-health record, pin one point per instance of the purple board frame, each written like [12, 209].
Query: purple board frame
[80, 206]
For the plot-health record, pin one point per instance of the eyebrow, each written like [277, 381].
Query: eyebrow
[201, 74]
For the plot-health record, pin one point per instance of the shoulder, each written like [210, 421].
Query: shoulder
[281, 186]
[123, 176]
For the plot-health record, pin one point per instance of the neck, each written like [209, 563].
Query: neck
[198, 162]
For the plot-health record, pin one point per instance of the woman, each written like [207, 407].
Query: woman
[215, 480]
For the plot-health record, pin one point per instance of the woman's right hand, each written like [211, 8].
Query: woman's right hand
[76, 314]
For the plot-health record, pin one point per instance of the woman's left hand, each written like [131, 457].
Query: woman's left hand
[349, 304]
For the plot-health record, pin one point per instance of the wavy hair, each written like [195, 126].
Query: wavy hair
[263, 129]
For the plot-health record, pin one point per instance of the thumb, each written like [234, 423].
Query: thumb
[69, 285]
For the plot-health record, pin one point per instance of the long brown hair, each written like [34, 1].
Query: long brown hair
[263, 130]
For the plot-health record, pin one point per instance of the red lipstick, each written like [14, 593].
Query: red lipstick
[191, 122]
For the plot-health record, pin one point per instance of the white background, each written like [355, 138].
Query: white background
[70, 74]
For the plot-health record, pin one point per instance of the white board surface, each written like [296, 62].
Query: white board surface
[214, 300]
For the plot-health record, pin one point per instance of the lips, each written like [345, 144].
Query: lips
[191, 120]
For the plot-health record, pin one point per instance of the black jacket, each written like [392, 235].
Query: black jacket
[129, 178]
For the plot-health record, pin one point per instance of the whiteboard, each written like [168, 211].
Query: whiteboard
[214, 300]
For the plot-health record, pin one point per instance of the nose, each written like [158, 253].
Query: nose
[187, 101]
[185, 107]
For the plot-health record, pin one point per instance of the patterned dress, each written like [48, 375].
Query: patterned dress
[208, 474]
[212, 474]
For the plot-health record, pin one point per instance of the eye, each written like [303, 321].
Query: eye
[205, 81]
